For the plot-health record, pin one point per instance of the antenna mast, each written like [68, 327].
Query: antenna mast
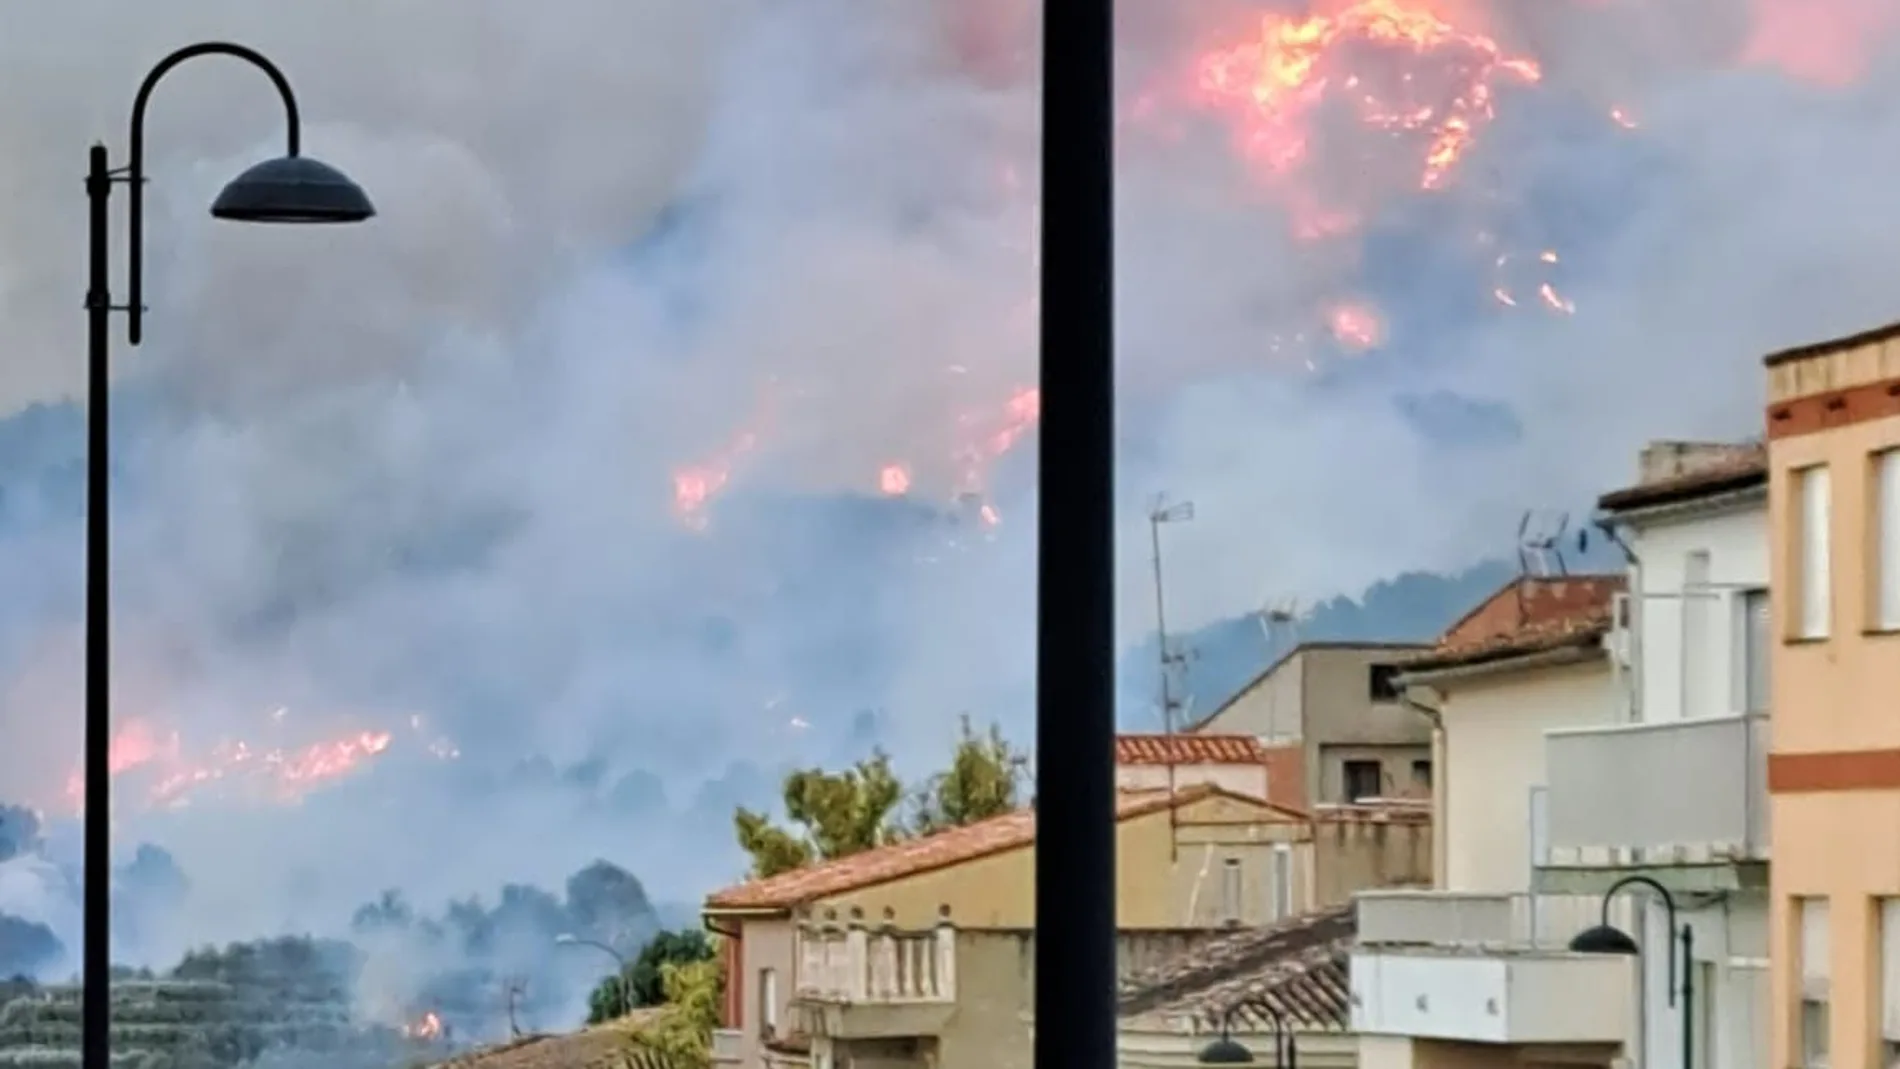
[1171, 659]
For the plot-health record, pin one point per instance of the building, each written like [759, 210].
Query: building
[918, 953]
[1251, 986]
[1334, 702]
[1239, 763]
[1598, 736]
[1477, 971]
[1833, 443]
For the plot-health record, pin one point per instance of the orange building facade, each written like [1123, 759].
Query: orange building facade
[1833, 430]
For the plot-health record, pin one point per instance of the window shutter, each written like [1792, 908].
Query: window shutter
[1887, 537]
[1814, 949]
[1890, 968]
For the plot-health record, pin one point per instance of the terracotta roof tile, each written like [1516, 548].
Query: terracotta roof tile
[1747, 468]
[1530, 614]
[942, 850]
[1189, 750]
[1297, 968]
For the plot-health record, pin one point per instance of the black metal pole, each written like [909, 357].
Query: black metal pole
[95, 1031]
[1075, 610]
[1688, 997]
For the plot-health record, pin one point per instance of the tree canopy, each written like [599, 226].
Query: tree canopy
[836, 814]
[643, 983]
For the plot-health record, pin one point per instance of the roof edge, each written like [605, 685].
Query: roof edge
[1828, 346]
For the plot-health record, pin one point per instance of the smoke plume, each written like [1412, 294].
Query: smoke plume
[670, 422]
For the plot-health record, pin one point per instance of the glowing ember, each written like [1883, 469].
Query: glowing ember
[428, 1026]
[893, 480]
[1622, 117]
[1356, 326]
[694, 486]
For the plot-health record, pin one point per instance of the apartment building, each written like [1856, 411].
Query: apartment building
[1333, 703]
[1833, 433]
[913, 953]
[1598, 738]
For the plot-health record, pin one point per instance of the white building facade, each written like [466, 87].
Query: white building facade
[1617, 742]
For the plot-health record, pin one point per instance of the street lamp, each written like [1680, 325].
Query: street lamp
[568, 939]
[1075, 543]
[1606, 938]
[1226, 1050]
[290, 189]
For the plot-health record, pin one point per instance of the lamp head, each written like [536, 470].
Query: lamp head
[1603, 939]
[293, 189]
[1224, 1051]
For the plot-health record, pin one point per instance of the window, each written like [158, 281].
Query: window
[1754, 651]
[1422, 775]
[1230, 891]
[1362, 780]
[1890, 975]
[1280, 888]
[1812, 922]
[1815, 604]
[1886, 539]
[768, 1002]
[1382, 682]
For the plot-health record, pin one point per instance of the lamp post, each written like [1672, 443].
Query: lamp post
[568, 939]
[1075, 544]
[1226, 1050]
[290, 189]
[1606, 938]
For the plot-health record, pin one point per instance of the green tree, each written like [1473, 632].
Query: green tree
[683, 1033]
[834, 814]
[644, 981]
[985, 779]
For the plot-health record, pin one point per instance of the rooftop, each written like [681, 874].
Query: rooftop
[1529, 614]
[1732, 468]
[1873, 336]
[1296, 968]
[1189, 750]
[953, 846]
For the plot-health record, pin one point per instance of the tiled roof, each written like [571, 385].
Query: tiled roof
[1297, 968]
[1189, 750]
[942, 850]
[1530, 614]
[1747, 468]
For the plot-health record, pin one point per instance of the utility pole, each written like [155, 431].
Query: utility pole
[1171, 659]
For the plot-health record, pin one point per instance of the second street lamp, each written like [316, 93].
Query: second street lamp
[290, 189]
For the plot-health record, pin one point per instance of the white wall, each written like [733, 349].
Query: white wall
[1494, 754]
[1690, 661]
[1731, 1003]
[1250, 780]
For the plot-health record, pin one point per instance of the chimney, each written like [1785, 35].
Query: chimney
[1671, 460]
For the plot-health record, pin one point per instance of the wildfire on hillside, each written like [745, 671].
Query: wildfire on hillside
[159, 769]
[426, 1027]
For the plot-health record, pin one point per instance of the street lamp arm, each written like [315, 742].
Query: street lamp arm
[1669, 907]
[134, 172]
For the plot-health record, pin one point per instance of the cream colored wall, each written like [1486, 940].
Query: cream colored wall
[1832, 696]
[1829, 688]
[1269, 709]
[1156, 886]
[1493, 754]
[1249, 780]
[766, 944]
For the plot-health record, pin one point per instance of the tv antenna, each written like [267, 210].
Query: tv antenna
[1280, 627]
[1172, 660]
[1540, 550]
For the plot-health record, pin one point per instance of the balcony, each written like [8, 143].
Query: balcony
[1682, 801]
[855, 982]
[1486, 968]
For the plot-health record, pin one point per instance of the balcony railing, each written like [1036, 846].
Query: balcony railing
[1474, 919]
[855, 964]
[728, 1046]
[1671, 793]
